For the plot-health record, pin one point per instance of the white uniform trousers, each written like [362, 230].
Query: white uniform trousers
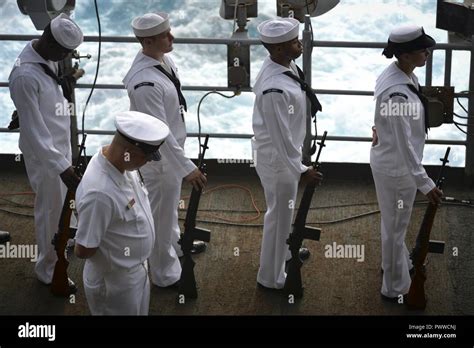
[50, 193]
[164, 190]
[118, 292]
[395, 196]
[280, 187]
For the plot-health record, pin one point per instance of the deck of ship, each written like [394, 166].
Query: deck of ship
[227, 283]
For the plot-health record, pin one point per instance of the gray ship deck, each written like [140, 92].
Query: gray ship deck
[227, 283]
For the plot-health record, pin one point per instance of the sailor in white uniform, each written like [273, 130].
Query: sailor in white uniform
[44, 130]
[397, 151]
[116, 230]
[279, 125]
[153, 87]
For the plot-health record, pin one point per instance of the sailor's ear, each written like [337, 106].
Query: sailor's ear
[402, 56]
[147, 41]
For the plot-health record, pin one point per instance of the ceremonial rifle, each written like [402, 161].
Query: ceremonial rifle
[187, 281]
[60, 284]
[300, 232]
[416, 295]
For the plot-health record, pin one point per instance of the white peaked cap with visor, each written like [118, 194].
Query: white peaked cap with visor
[142, 130]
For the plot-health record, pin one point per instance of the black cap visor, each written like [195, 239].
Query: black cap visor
[146, 148]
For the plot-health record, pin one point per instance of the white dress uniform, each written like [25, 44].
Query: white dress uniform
[279, 125]
[115, 217]
[152, 92]
[397, 170]
[44, 138]
[115, 278]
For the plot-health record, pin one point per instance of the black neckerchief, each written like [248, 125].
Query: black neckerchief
[315, 104]
[51, 74]
[64, 81]
[177, 85]
[424, 101]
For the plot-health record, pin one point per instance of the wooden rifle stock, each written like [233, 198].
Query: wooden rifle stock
[293, 285]
[187, 281]
[416, 298]
[60, 283]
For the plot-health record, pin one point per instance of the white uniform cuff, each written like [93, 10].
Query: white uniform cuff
[304, 168]
[188, 168]
[427, 187]
[61, 166]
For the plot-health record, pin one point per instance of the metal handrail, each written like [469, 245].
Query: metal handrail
[229, 41]
[448, 47]
[249, 136]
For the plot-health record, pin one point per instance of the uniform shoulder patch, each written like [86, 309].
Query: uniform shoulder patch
[276, 90]
[151, 84]
[398, 94]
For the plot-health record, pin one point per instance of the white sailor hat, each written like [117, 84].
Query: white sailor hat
[406, 39]
[142, 130]
[66, 32]
[151, 24]
[275, 31]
